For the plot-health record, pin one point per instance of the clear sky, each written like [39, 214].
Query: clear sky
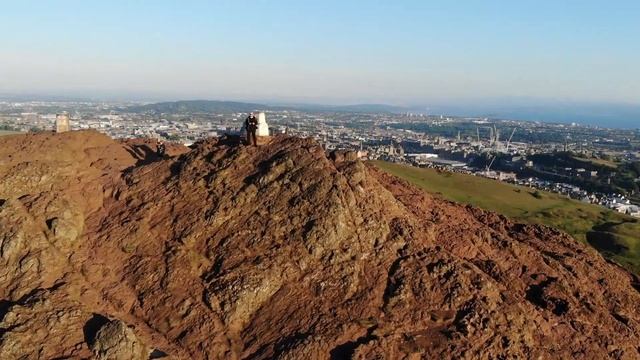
[397, 52]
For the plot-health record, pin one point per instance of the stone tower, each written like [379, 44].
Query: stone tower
[62, 122]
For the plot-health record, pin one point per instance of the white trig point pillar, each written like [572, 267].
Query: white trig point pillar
[263, 128]
[62, 122]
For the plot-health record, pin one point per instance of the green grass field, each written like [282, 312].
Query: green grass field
[609, 163]
[615, 235]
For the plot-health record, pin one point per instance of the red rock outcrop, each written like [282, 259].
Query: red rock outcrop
[232, 252]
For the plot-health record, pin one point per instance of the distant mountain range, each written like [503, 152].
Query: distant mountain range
[196, 106]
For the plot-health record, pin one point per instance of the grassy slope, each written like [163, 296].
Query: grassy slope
[609, 163]
[615, 235]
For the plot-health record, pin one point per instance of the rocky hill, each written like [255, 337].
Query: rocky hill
[233, 252]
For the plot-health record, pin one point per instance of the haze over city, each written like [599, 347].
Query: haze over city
[468, 57]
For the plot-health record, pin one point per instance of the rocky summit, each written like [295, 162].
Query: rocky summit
[225, 251]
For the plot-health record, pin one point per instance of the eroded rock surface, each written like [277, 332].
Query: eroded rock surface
[116, 341]
[280, 251]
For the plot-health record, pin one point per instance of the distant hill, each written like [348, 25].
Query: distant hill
[194, 106]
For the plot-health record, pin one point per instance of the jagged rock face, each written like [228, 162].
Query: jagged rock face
[115, 340]
[229, 252]
[46, 324]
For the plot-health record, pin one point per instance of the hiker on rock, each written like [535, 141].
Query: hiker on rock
[160, 149]
[251, 125]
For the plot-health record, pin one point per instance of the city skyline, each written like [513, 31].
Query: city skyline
[471, 52]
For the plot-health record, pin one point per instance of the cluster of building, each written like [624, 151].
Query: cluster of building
[621, 205]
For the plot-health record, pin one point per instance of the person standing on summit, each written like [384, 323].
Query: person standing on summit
[160, 148]
[251, 125]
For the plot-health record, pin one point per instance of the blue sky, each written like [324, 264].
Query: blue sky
[399, 52]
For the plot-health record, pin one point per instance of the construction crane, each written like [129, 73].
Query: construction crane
[491, 163]
[508, 143]
[510, 137]
[491, 138]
